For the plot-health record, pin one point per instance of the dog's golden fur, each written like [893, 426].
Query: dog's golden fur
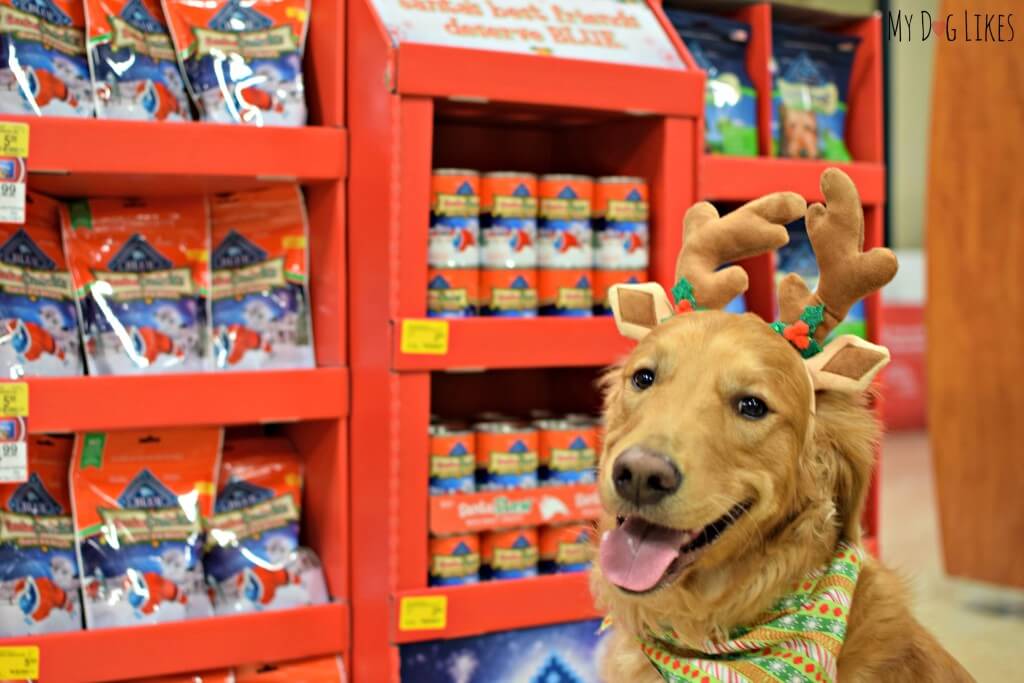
[807, 475]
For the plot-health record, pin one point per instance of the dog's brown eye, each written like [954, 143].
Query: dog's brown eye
[643, 378]
[752, 407]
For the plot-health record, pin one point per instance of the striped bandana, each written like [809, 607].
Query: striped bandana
[797, 641]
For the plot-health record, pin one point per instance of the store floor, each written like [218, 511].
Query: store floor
[981, 625]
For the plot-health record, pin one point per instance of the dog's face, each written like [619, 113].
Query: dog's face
[706, 423]
[800, 134]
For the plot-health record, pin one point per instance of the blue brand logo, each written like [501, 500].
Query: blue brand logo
[518, 447]
[234, 17]
[465, 189]
[240, 494]
[567, 193]
[634, 196]
[137, 256]
[145, 492]
[20, 250]
[583, 283]
[803, 70]
[44, 9]
[520, 543]
[458, 449]
[461, 549]
[521, 191]
[235, 251]
[519, 283]
[32, 498]
[136, 14]
[578, 444]
[555, 671]
[439, 283]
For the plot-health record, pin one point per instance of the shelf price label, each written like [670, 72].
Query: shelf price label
[423, 613]
[19, 663]
[13, 433]
[424, 337]
[13, 171]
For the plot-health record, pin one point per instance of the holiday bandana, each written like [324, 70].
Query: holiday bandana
[796, 641]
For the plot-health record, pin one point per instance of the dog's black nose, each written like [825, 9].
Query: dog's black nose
[643, 476]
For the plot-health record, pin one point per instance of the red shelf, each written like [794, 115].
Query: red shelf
[95, 157]
[125, 653]
[741, 179]
[66, 404]
[475, 343]
[504, 605]
[508, 509]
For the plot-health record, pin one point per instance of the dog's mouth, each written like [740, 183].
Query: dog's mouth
[639, 556]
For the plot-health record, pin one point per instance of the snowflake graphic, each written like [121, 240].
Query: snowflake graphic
[777, 666]
[811, 623]
[788, 620]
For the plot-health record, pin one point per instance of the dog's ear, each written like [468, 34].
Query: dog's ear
[848, 364]
[638, 309]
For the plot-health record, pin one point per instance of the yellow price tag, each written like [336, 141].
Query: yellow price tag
[19, 662]
[13, 139]
[294, 242]
[13, 399]
[423, 613]
[424, 337]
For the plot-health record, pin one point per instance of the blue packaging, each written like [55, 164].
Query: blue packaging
[719, 46]
[810, 91]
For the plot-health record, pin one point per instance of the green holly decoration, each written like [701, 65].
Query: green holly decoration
[683, 296]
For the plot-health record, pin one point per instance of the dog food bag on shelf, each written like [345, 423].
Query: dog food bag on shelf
[797, 256]
[810, 90]
[260, 269]
[140, 269]
[38, 568]
[253, 559]
[139, 499]
[719, 46]
[134, 70]
[243, 60]
[43, 66]
[38, 321]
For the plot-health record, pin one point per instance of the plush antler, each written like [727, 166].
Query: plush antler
[846, 273]
[710, 241]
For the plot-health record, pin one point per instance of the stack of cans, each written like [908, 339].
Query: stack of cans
[499, 454]
[511, 245]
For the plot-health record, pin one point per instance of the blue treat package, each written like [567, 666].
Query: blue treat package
[798, 257]
[811, 78]
[43, 66]
[253, 561]
[719, 46]
[38, 567]
[243, 58]
[134, 69]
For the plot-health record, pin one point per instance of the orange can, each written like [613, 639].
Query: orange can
[564, 238]
[604, 279]
[508, 194]
[454, 560]
[565, 292]
[621, 233]
[506, 455]
[452, 458]
[565, 547]
[452, 292]
[454, 219]
[509, 553]
[567, 451]
[508, 220]
[454, 192]
[510, 293]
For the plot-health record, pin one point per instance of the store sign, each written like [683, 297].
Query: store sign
[598, 30]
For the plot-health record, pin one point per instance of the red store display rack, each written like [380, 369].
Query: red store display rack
[90, 158]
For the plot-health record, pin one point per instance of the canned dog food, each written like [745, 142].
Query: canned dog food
[509, 553]
[454, 219]
[454, 560]
[506, 455]
[452, 458]
[565, 548]
[603, 281]
[564, 234]
[620, 223]
[452, 292]
[509, 293]
[565, 292]
[508, 215]
[568, 450]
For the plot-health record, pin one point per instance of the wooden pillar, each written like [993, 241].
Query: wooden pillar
[975, 243]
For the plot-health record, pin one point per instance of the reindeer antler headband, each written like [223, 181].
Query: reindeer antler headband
[846, 274]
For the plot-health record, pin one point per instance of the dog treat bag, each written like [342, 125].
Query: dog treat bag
[811, 74]
[38, 568]
[139, 499]
[134, 69]
[43, 67]
[141, 278]
[253, 559]
[719, 46]
[259, 263]
[243, 58]
[38, 321]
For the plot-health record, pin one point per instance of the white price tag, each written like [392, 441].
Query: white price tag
[13, 461]
[12, 200]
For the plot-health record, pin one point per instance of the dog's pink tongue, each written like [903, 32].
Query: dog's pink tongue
[637, 554]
